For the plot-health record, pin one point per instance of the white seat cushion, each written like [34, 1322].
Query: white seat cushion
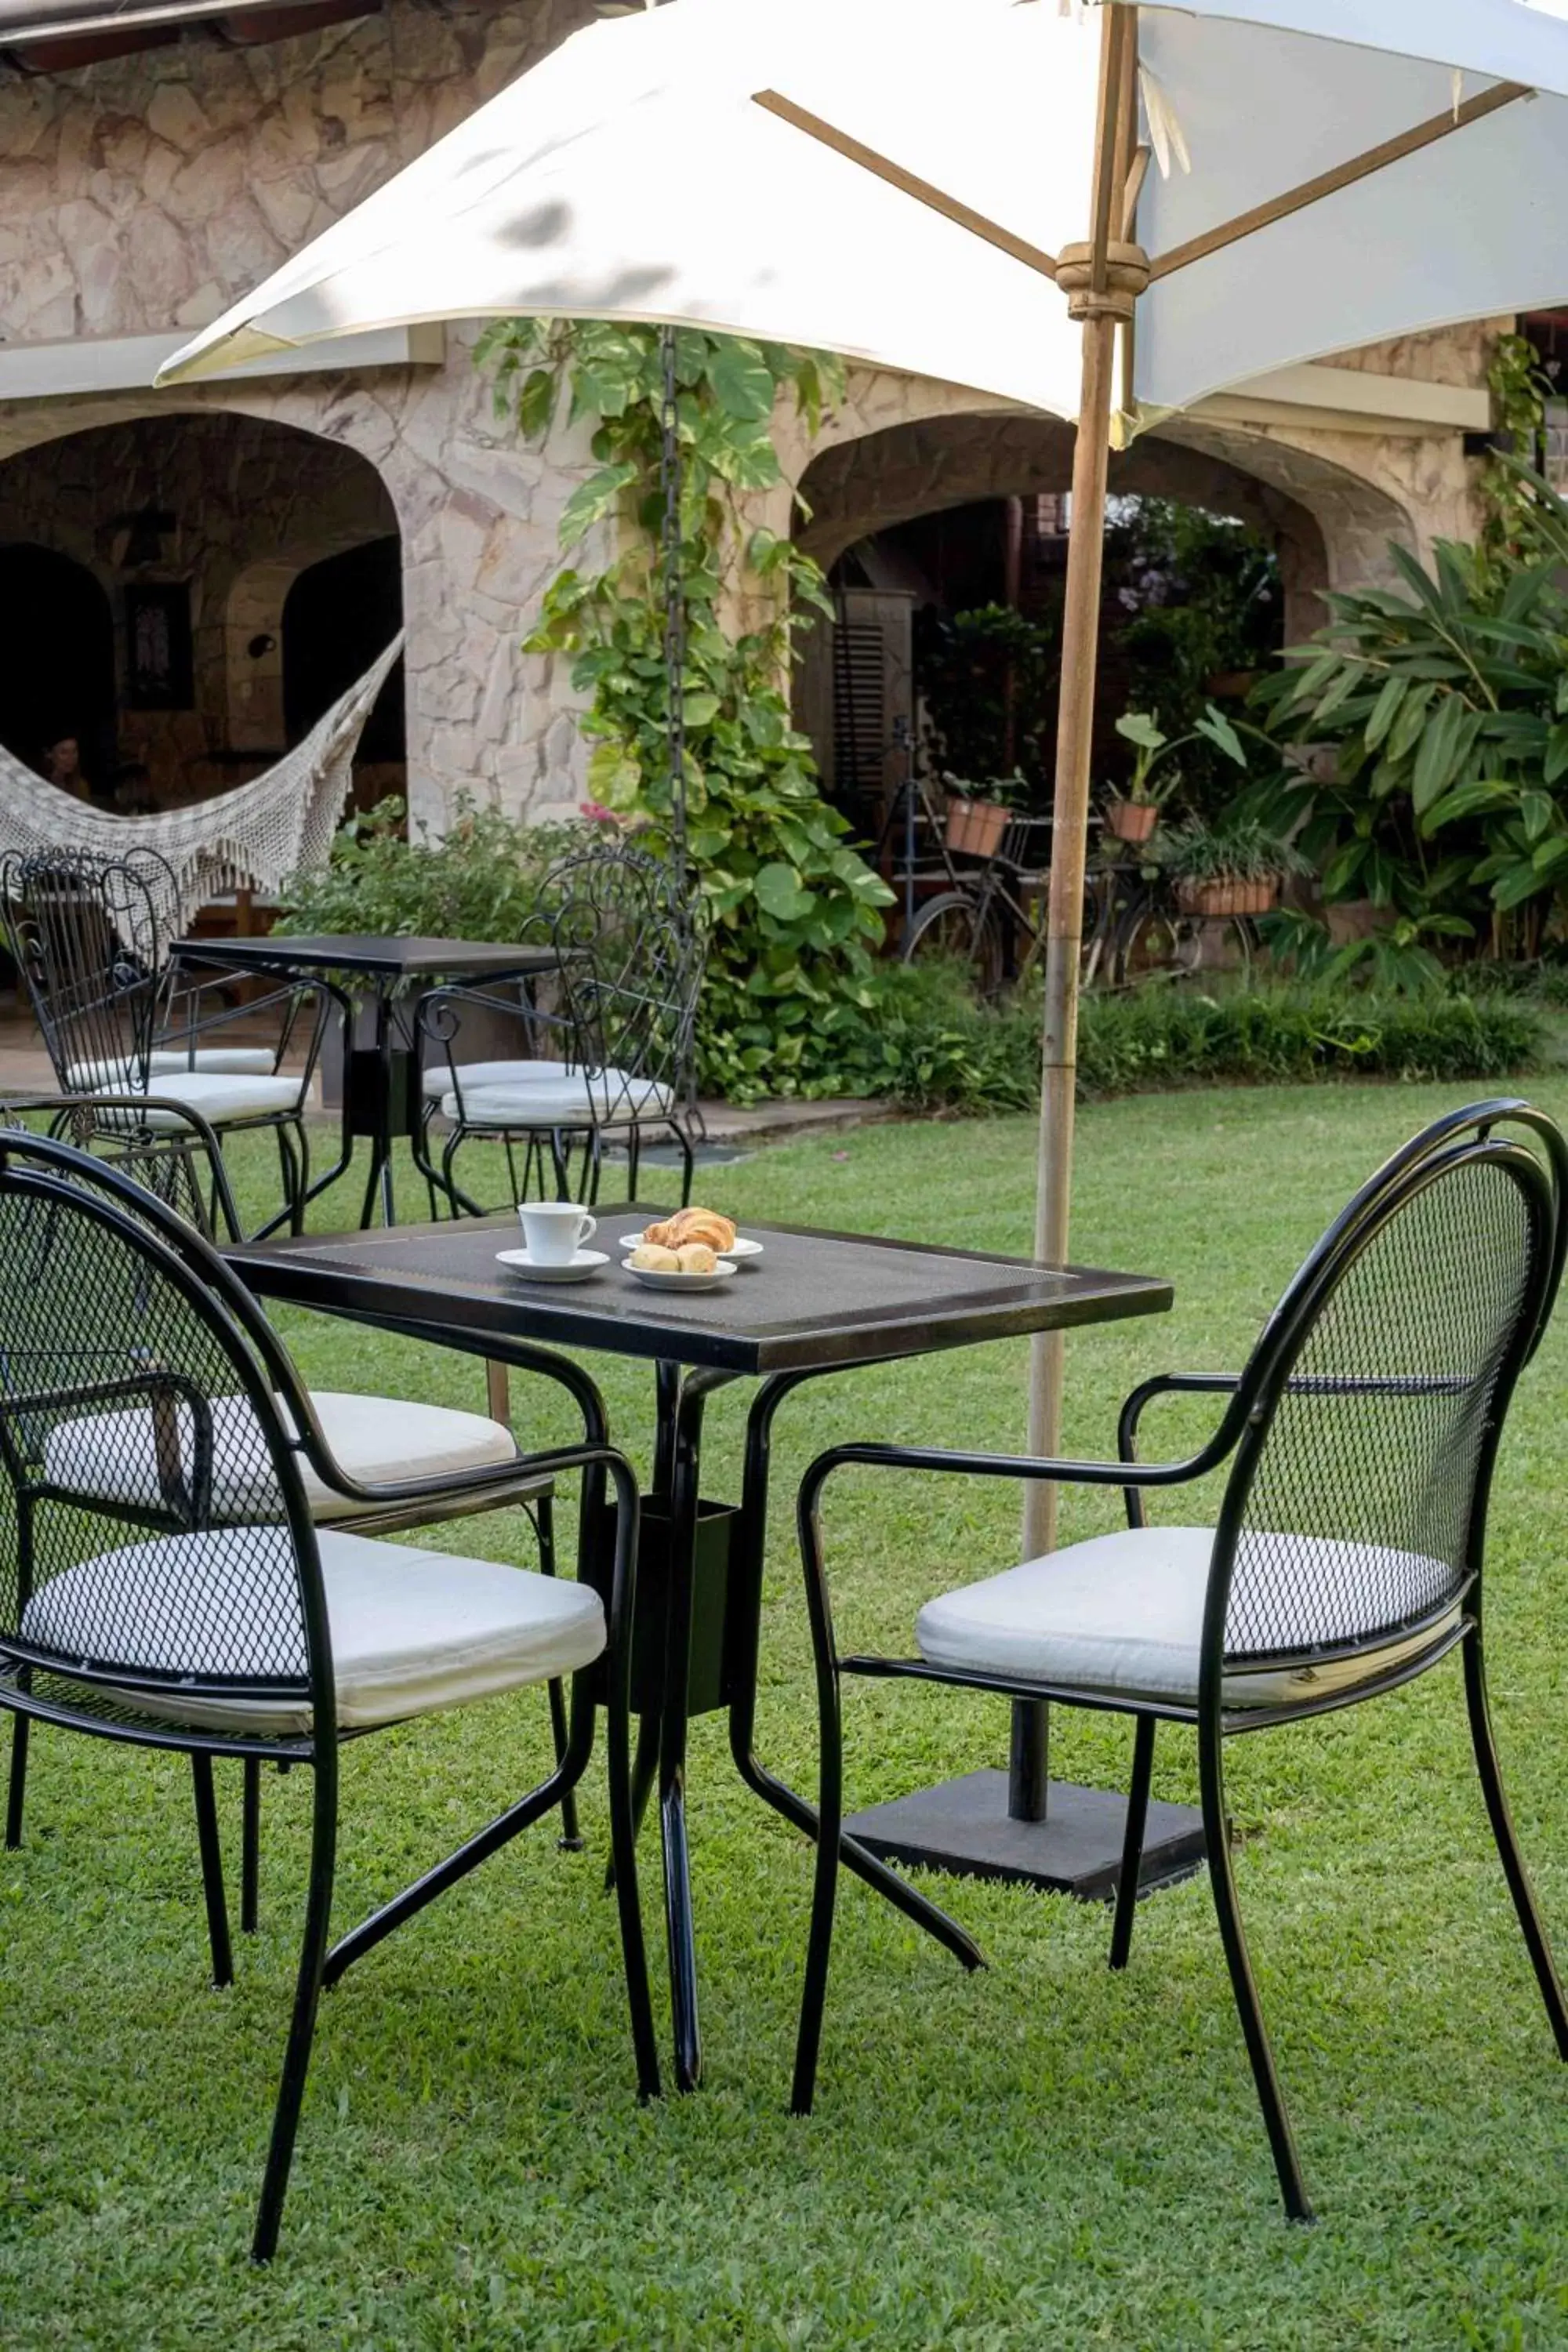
[1124, 1614]
[609, 1099]
[375, 1439]
[412, 1631]
[438, 1077]
[220, 1098]
[211, 1061]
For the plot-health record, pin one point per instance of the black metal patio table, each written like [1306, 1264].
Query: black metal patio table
[814, 1303]
[382, 1083]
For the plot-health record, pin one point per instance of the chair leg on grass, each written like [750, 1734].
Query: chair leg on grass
[1133, 1842]
[645, 1772]
[1222, 1880]
[1512, 1861]
[571, 1838]
[623, 1873]
[17, 1791]
[211, 1869]
[830, 1825]
[249, 1843]
[306, 2001]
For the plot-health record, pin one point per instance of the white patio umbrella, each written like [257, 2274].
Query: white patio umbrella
[962, 188]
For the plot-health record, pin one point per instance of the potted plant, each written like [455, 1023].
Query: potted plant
[978, 816]
[1234, 866]
[1156, 773]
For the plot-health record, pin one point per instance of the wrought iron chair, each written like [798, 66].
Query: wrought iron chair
[368, 1440]
[119, 1017]
[630, 946]
[1347, 1557]
[195, 1606]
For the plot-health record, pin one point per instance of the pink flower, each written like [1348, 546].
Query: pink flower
[597, 812]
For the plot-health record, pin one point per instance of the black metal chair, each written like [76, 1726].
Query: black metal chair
[199, 1609]
[1347, 1557]
[369, 1439]
[630, 942]
[120, 1017]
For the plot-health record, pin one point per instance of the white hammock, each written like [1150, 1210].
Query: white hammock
[247, 839]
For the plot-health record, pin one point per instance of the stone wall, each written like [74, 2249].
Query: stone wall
[146, 192]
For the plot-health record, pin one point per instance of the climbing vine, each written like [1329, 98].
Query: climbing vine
[1520, 392]
[796, 911]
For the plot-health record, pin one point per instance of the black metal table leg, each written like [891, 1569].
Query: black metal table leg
[679, 1448]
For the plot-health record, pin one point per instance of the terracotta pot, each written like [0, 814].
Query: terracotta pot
[1130, 820]
[1226, 896]
[974, 828]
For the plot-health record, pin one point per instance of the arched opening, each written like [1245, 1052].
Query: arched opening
[337, 616]
[57, 659]
[193, 526]
[963, 513]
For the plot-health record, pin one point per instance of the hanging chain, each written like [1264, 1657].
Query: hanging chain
[669, 475]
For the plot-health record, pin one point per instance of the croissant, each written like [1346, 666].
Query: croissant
[694, 1225]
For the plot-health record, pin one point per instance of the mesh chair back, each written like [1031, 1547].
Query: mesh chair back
[86, 935]
[631, 949]
[1356, 1507]
[127, 1569]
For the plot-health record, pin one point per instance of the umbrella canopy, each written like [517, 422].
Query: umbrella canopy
[895, 178]
[1010, 195]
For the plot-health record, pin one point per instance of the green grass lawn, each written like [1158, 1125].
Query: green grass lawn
[1041, 2154]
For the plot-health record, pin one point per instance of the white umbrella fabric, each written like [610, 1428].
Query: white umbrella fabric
[999, 192]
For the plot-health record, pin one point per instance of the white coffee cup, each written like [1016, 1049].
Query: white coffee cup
[554, 1231]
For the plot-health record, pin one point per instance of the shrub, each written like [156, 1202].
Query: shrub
[480, 881]
[939, 1050]
[1163, 1036]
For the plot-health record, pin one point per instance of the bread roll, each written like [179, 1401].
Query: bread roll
[653, 1259]
[694, 1225]
[696, 1257]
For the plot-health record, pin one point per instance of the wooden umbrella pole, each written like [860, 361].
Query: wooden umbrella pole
[1102, 281]
[1069, 839]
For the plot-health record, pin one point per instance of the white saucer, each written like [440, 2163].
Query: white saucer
[739, 1247]
[723, 1272]
[576, 1269]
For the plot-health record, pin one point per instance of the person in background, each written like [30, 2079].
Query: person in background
[62, 766]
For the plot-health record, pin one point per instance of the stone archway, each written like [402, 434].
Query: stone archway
[207, 517]
[1328, 525]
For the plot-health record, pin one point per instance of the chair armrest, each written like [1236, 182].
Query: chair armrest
[451, 1484]
[1012, 1465]
[1131, 1413]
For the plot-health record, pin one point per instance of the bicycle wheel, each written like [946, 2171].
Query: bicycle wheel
[951, 930]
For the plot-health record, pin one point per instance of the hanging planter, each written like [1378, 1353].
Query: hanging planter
[974, 828]
[1130, 820]
[1228, 896]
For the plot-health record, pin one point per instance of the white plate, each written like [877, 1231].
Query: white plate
[654, 1280]
[576, 1269]
[739, 1248]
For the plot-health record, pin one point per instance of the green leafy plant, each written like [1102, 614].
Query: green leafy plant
[482, 879]
[796, 911]
[1446, 704]
[1153, 748]
[1236, 848]
[1013, 792]
[1519, 391]
[987, 679]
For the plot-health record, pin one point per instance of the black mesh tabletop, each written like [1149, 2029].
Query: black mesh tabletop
[366, 951]
[810, 1301]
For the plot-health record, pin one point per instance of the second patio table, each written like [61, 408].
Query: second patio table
[382, 1084]
[814, 1303]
